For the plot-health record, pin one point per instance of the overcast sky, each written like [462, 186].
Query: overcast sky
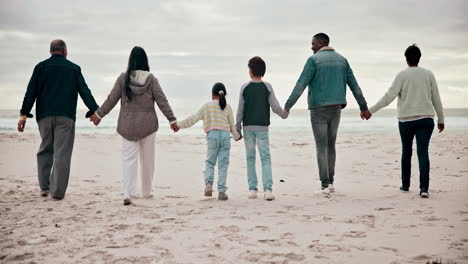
[193, 44]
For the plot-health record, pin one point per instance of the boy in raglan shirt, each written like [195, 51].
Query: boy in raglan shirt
[253, 113]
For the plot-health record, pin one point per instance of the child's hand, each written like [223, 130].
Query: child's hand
[239, 138]
[175, 127]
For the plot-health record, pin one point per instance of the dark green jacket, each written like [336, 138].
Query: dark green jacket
[54, 86]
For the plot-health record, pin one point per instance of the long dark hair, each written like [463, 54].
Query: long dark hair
[220, 90]
[137, 61]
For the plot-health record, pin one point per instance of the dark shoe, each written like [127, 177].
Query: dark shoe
[222, 196]
[57, 198]
[127, 201]
[404, 189]
[45, 193]
[209, 189]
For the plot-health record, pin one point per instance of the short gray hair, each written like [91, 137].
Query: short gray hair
[57, 45]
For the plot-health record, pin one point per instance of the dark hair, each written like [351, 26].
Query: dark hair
[413, 55]
[57, 45]
[137, 61]
[323, 37]
[257, 65]
[220, 90]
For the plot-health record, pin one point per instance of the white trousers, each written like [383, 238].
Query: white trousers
[134, 153]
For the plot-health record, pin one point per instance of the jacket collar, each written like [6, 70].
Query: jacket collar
[326, 48]
[57, 56]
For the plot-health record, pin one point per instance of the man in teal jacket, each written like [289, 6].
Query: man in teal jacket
[326, 73]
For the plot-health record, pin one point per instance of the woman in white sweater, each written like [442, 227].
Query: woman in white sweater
[418, 97]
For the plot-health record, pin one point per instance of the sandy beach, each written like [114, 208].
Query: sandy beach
[367, 220]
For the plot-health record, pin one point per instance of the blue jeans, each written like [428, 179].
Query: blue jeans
[219, 145]
[261, 139]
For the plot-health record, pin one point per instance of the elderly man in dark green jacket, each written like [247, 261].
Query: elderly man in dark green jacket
[54, 87]
[326, 73]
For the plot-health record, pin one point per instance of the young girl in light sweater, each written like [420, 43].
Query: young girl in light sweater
[218, 121]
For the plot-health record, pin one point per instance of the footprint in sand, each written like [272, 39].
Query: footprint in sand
[263, 228]
[270, 242]
[176, 196]
[326, 248]
[119, 227]
[19, 257]
[267, 257]
[384, 208]
[355, 234]
[230, 229]
[156, 229]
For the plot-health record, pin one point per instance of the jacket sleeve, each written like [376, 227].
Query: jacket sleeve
[31, 94]
[436, 101]
[192, 120]
[306, 77]
[85, 93]
[162, 101]
[114, 96]
[389, 96]
[354, 86]
[232, 124]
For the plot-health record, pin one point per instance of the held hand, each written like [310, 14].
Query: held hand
[175, 127]
[366, 115]
[21, 125]
[441, 127]
[240, 138]
[286, 111]
[95, 119]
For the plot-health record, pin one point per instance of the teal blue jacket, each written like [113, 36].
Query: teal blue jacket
[327, 73]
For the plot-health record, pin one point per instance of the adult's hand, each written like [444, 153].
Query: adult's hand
[21, 125]
[240, 138]
[365, 115]
[441, 127]
[175, 127]
[95, 119]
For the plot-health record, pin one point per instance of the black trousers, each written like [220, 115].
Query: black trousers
[422, 129]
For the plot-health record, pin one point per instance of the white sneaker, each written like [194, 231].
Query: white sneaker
[148, 196]
[325, 191]
[424, 195]
[331, 188]
[269, 196]
[252, 194]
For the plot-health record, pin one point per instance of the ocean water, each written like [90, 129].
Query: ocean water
[298, 122]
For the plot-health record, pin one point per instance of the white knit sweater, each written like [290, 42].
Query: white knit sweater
[417, 92]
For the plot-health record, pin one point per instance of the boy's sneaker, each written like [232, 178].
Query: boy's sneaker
[148, 196]
[209, 189]
[325, 191]
[127, 201]
[331, 188]
[253, 194]
[222, 196]
[269, 195]
[404, 189]
[424, 195]
[45, 193]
